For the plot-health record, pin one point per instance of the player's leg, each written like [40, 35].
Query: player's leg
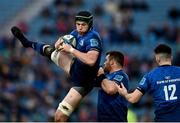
[61, 59]
[70, 102]
[37, 46]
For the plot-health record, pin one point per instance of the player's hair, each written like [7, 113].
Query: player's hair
[163, 48]
[85, 16]
[117, 56]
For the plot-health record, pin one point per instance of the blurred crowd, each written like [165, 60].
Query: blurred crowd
[31, 86]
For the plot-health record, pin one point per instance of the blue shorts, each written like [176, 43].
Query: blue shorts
[82, 75]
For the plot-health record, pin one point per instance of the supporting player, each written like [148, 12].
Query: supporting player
[112, 107]
[81, 62]
[164, 84]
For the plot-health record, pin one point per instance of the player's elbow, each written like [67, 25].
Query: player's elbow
[132, 100]
[110, 90]
[92, 57]
[91, 62]
[134, 97]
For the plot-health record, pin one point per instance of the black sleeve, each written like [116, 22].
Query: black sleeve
[141, 90]
[98, 80]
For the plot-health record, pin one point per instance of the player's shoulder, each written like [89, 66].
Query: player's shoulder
[155, 70]
[93, 34]
[169, 67]
[158, 70]
[74, 32]
[121, 74]
[176, 67]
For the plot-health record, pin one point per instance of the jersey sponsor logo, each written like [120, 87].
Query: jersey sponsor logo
[118, 78]
[142, 81]
[94, 42]
[168, 81]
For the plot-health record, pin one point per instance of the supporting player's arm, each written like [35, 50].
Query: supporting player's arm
[109, 86]
[130, 97]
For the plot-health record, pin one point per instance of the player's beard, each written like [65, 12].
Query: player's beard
[106, 68]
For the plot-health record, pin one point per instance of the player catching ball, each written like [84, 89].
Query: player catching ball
[80, 62]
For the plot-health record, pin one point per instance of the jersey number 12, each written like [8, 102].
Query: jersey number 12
[169, 92]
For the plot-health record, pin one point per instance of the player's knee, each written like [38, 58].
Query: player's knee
[63, 112]
[55, 57]
[60, 117]
[47, 50]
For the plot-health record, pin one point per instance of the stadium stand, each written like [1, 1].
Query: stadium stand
[28, 93]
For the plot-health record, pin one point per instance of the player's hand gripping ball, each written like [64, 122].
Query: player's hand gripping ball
[69, 39]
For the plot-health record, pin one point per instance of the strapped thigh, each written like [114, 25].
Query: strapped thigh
[62, 59]
[65, 108]
[73, 99]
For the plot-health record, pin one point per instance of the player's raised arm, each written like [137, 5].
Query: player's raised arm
[130, 97]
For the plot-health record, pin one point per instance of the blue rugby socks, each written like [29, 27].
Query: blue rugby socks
[41, 48]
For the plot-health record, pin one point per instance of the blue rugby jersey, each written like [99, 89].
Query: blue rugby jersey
[82, 74]
[113, 108]
[164, 83]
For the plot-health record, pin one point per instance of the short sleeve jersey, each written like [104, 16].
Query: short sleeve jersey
[164, 84]
[113, 108]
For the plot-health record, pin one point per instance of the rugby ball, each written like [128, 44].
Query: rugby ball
[70, 39]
